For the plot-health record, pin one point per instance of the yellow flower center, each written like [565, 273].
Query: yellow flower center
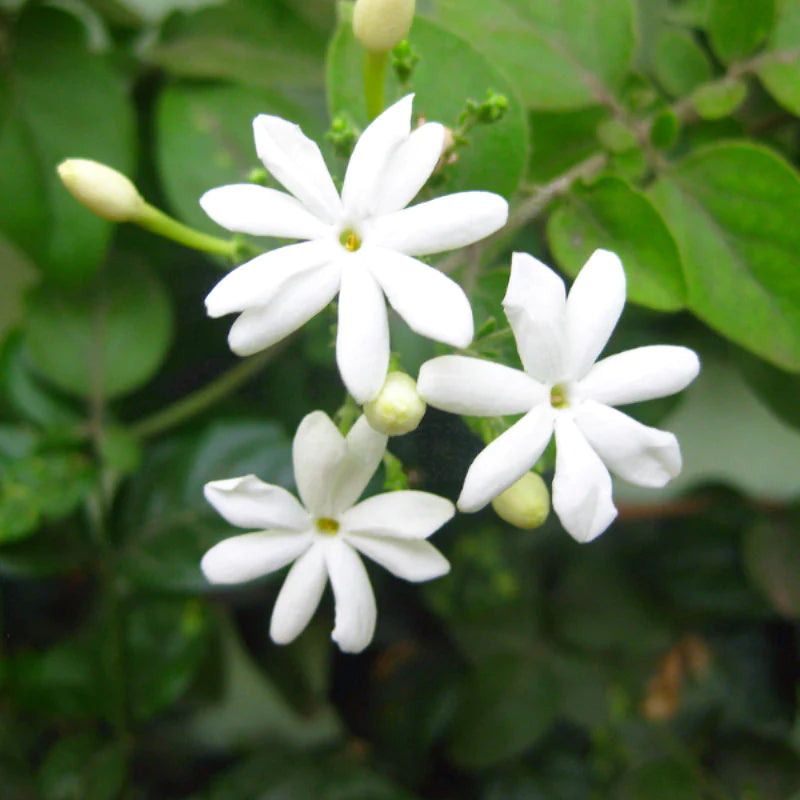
[350, 240]
[327, 525]
[559, 397]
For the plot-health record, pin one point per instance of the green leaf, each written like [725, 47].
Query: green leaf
[772, 558]
[16, 276]
[109, 338]
[738, 27]
[679, 63]
[732, 209]
[613, 215]
[777, 389]
[779, 66]
[82, 767]
[263, 45]
[450, 71]
[719, 99]
[560, 55]
[508, 704]
[205, 139]
[58, 101]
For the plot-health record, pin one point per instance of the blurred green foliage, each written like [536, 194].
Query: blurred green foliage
[661, 661]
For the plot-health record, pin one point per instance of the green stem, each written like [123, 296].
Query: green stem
[156, 221]
[203, 398]
[375, 64]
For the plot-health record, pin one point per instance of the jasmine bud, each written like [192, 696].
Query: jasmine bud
[103, 190]
[398, 408]
[380, 25]
[525, 504]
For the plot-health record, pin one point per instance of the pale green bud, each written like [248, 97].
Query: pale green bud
[398, 408]
[380, 25]
[103, 190]
[525, 504]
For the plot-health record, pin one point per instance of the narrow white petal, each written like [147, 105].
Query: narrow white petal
[594, 305]
[355, 603]
[581, 484]
[465, 385]
[432, 304]
[255, 282]
[257, 210]
[641, 374]
[297, 163]
[299, 596]
[250, 503]
[362, 340]
[318, 452]
[293, 304]
[402, 514]
[252, 555]
[409, 166]
[507, 458]
[641, 455]
[363, 180]
[535, 304]
[407, 559]
[365, 449]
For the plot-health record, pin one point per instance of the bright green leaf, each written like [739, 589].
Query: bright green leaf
[611, 214]
[719, 99]
[65, 102]
[737, 27]
[109, 338]
[732, 209]
[449, 73]
[679, 63]
[560, 55]
[779, 66]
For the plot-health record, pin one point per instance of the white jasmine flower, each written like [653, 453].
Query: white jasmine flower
[361, 245]
[323, 534]
[563, 391]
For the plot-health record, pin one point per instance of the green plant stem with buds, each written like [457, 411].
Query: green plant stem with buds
[156, 221]
[375, 64]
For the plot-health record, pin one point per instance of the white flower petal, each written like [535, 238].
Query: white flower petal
[535, 304]
[581, 484]
[409, 166]
[318, 452]
[507, 458]
[250, 503]
[252, 555]
[594, 305]
[640, 374]
[432, 304]
[464, 385]
[365, 449]
[299, 596]
[355, 603]
[639, 454]
[445, 223]
[295, 161]
[294, 303]
[362, 340]
[363, 180]
[402, 514]
[257, 210]
[255, 282]
[407, 559]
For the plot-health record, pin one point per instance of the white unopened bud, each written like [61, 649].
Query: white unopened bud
[525, 504]
[381, 25]
[103, 190]
[398, 408]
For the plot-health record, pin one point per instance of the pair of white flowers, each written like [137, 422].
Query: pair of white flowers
[361, 245]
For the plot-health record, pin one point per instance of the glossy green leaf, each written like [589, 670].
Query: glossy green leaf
[109, 338]
[779, 66]
[731, 208]
[611, 214]
[450, 72]
[262, 45]
[205, 139]
[738, 27]
[560, 55]
[508, 704]
[59, 101]
[679, 63]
